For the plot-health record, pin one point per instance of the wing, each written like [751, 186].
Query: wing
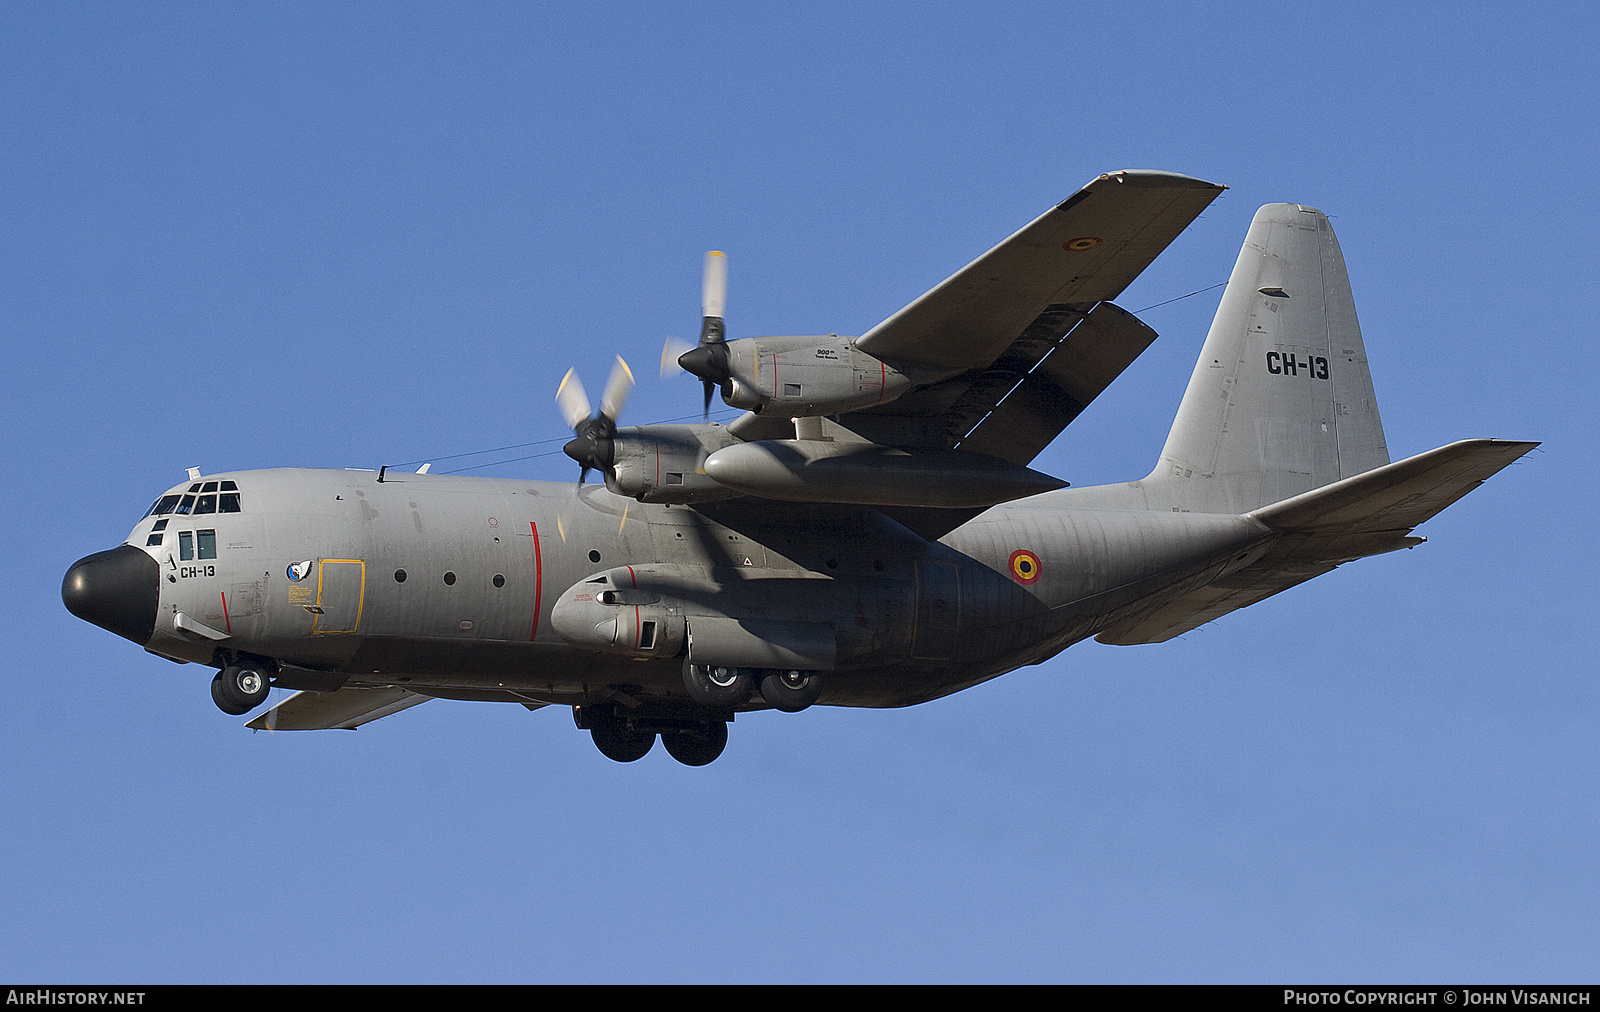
[1368, 514]
[346, 708]
[1018, 342]
[1085, 250]
[1005, 354]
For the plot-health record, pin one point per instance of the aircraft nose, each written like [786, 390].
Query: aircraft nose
[117, 590]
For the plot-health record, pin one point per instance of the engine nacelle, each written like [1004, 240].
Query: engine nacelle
[799, 377]
[666, 463]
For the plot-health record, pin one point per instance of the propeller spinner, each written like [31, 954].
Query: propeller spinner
[594, 445]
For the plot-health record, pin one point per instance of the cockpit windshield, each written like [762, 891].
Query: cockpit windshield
[201, 497]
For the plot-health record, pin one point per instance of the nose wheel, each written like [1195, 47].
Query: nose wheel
[239, 688]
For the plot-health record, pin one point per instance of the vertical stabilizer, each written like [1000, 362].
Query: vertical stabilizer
[1281, 400]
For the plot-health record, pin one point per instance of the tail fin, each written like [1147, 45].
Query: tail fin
[1281, 400]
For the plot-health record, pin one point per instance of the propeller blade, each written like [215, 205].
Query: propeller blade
[714, 286]
[671, 348]
[617, 389]
[705, 412]
[714, 298]
[572, 400]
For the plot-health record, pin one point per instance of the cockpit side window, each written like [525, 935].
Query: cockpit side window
[166, 504]
[185, 546]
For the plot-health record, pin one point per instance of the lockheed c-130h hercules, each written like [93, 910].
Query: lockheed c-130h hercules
[868, 533]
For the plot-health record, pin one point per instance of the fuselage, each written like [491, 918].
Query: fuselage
[450, 586]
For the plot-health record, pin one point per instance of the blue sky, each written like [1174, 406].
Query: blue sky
[244, 236]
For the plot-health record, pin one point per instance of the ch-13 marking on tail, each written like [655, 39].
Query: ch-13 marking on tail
[868, 533]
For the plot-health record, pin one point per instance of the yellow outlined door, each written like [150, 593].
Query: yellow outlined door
[341, 592]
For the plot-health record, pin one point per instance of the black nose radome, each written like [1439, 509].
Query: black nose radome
[116, 590]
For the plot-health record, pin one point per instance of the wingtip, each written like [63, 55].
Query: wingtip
[1160, 178]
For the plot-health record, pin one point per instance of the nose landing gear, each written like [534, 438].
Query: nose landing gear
[239, 688]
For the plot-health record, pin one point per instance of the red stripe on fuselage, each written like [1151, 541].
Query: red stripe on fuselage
[538, 581]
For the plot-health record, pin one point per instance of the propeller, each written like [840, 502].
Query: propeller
[671, 349]
[594, 445]
[709, 361]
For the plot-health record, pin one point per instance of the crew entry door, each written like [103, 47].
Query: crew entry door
[341, 591]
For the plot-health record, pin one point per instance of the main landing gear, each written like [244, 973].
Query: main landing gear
[239, 688]
[626, 736]
[717, 685]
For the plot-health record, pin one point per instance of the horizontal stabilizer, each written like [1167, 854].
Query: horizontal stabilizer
[1398, 495]
[347, 708]
[1368, 514]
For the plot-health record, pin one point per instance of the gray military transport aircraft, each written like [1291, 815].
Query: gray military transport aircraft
[868, 533]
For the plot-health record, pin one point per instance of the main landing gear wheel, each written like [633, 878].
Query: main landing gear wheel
[715, 685]
[696, 746]
[791, 691]
[619, 742]
[239, 688]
